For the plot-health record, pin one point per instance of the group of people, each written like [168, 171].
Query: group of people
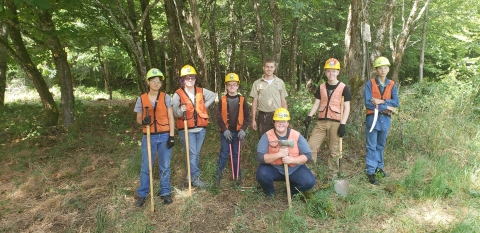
[189, 104]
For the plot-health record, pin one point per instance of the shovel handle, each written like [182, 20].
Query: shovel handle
[149, 151]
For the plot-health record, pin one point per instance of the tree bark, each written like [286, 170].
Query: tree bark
[354, 57]
[202, 70]
[233, 39]
[277, 32]
[214, 58]
[422, 49]
[64, 75]
[401, 43]
[3, 63]
[104, 66]
[147, 26]
[382, 25]
[175, 38]
[292, 74]
[20, 54]
[260, 32]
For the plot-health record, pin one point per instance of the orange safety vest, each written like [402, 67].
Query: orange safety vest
[240, 112]
[274, 147]
[159, 118]
[387, 94]
[330, 107]
[197, 116]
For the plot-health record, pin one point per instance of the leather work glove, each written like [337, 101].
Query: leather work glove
[170, 142]
[146, 120]
[341, 130]
[228, 135]
[241, 134]
[307, 121]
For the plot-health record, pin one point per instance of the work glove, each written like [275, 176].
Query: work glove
[228, 135]
[241, 134]
[307, 121]
[341, 130]
[170, 142]
[146, 120]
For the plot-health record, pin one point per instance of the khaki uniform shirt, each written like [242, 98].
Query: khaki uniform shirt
[269, 96]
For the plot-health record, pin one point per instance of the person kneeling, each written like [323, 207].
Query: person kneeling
[274, 150]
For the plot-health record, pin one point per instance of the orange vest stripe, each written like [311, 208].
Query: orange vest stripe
[198, 113]
[330, 108]
[293, 151]
[240, 112]
[387, 94]
[159, 117]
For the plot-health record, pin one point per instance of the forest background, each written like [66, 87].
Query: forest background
[71, 160]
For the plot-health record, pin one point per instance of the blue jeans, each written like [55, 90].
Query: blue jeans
[225, 153]
[300, 180]
[158, 144]
[376, 141]
[195, 142]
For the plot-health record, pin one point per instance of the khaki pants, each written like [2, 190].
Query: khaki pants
[326, 129]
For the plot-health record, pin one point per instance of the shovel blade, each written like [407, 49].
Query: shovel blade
[341, 187]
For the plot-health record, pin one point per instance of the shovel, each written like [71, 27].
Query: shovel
[341, 183]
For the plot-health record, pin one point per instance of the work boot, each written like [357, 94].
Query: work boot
[167, 199]
[381, 172]
[140, 201]
[373, 179]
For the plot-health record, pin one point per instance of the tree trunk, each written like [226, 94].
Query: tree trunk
[381, 28]
[21, 56]
[3, 63]
[175, 38]
[277, 33]
[354, 57]
[401, 42]
[233, 39]
[104, 67]
[197, 31]
[260, 32]
[61, 64]
[422, 49]
[292, 74]
[214, 58]
[147, 26]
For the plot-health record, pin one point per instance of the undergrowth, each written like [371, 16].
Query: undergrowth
[92, 170]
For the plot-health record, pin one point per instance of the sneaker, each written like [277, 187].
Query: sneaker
[140, 201]
[167, 199]
[199, 183]
[381, 172]
[373, 179]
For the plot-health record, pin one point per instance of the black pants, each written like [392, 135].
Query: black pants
[264, 122]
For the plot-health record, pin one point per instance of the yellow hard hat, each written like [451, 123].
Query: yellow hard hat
[232, 77]
[332, 63]
[281, 114]
[154, 72]
[187, 70]
[381, 61]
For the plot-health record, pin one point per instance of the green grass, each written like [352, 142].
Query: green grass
[86, 176]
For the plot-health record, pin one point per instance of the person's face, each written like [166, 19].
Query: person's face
[269, 68]
[155, 83]
[232, 87]
[189, 81]
[331, 74]
[382, 71]
[281, 126]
